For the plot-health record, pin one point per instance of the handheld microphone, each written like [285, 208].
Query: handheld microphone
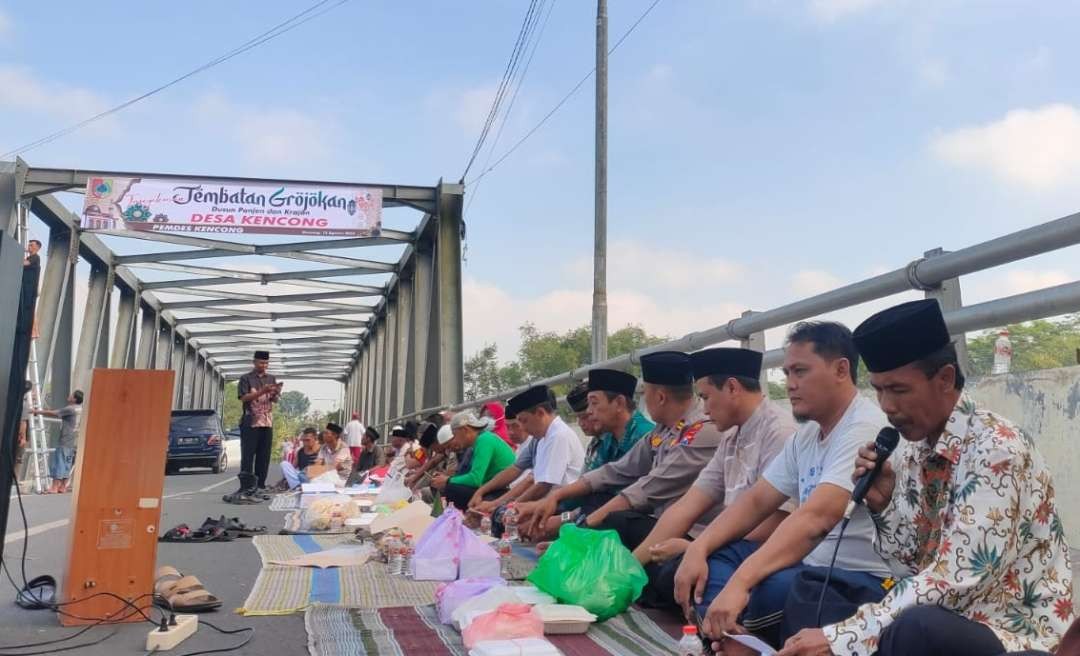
[886, 442]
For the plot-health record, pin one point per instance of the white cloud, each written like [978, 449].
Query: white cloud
[277, 135]
[471, 108]
[1021, 281]
[810, 282]
[20, 90]
[828, 11]
[681, 295]
[933, 73]
[1037, 149]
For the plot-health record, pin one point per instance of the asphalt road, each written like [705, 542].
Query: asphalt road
[228, 569]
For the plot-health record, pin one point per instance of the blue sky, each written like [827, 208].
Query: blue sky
[760, 150]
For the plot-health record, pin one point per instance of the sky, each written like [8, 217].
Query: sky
[760, 151]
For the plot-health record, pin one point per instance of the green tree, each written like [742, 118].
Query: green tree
[484, 376]
[777, 391]
[1041, 344]
[231, 407]
[547, 354]
[293, 404]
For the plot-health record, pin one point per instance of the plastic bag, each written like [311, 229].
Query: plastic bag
[506, 622]
[328, 511]
[436, 555]
[591, 569]
[449, 596]
[393, 490]
[472, 608]
[476, 559]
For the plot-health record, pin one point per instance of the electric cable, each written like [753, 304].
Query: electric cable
[274, 32]
[565, 98]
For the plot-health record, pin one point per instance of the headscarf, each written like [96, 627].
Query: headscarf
[494, 409]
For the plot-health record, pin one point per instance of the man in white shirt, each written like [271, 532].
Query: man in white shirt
[736, 583]
[560, 456]
[354, 436]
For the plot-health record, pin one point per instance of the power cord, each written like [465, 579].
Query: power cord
[130, 610]
[828, 574]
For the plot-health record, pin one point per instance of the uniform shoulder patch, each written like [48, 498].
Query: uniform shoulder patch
[690, 433]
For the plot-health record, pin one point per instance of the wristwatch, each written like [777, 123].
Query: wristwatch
[565, 517]
[581, 520]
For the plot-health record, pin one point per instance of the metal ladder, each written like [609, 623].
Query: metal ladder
[37, 470]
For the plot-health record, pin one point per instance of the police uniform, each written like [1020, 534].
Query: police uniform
[663, 464]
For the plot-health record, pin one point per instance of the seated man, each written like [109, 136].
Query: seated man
[490, 455]
[517, 477]
[335, 452]
[371, 456]
[965, 505]
[306, 456]
[611, 409]
[437, 458]
[403, 445]
[660, 467]
[736, 583]
[755, 431]
[558, 455]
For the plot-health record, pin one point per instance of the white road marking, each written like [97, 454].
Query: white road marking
[34, 530]
[48, 526]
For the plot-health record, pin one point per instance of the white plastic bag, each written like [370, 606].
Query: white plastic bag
[393, 490]
[472, 608]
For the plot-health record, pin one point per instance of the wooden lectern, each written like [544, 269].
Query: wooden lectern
[116, 508]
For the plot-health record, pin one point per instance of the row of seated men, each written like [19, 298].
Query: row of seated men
[741, 511]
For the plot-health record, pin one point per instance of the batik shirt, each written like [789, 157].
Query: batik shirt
[974, 522]
[259, 411]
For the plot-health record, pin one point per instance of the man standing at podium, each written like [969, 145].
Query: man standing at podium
[258, 391]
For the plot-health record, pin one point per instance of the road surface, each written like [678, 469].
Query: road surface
[228, 569]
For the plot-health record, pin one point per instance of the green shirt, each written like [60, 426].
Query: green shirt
[490, 456]
[604, 448]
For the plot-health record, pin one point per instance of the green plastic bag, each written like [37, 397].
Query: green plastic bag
[591, 569]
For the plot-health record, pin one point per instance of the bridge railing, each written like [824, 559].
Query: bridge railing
[936, 273]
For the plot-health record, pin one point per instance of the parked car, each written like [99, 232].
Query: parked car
[232, 449]
[195, 440]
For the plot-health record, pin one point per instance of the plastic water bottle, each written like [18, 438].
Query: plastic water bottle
[690, 643]
[407, 549]
[510, 524]
[1003, 353]
[394, 561]
[485, 524]
[504, 549]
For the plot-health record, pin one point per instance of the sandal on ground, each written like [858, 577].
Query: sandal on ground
[235, 528]
[241, 499]
[177, 592]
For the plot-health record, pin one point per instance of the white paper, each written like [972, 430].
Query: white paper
[753, 643]
[317, 488]
[365, 519]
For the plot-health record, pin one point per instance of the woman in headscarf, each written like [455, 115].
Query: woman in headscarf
[493, 410]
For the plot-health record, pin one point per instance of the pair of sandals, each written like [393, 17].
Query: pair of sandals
[213, 530]
[177, 592]
[246, 498]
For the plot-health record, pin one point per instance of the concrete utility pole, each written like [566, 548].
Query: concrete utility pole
[599, 308]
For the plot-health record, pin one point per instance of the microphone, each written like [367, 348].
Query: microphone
[886, 442]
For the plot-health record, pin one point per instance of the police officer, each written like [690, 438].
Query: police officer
[660, 467]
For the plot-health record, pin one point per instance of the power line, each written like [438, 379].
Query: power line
[513, 99]
[524, 34]
[272, 33]
[565, 98]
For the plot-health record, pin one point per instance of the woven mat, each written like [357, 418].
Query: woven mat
[337, 631]
[282, 590]
[285, 502]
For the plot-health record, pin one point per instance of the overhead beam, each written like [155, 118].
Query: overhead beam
[240, 317]
[212, 248]
[46, 180]
[256, 299]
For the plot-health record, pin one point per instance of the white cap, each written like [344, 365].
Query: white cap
[468, 419]
[444, 435]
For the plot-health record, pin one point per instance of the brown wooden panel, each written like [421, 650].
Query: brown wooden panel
[119, 476]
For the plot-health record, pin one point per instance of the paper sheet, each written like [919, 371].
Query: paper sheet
[317, 488]
[413, 518]
[342, 556]
[753, 643]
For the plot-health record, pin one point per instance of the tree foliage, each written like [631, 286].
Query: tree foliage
[544, 354]
[1041, 344]
[293, 404]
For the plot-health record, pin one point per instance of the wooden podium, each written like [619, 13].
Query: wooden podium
[119, 476]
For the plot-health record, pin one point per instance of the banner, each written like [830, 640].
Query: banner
[224, 207]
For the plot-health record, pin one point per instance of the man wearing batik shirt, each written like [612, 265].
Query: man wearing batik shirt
[965, 505]
[258, 390]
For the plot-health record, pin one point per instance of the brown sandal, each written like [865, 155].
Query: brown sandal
[178, 592]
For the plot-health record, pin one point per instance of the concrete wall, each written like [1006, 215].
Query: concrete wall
[1046, 404]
